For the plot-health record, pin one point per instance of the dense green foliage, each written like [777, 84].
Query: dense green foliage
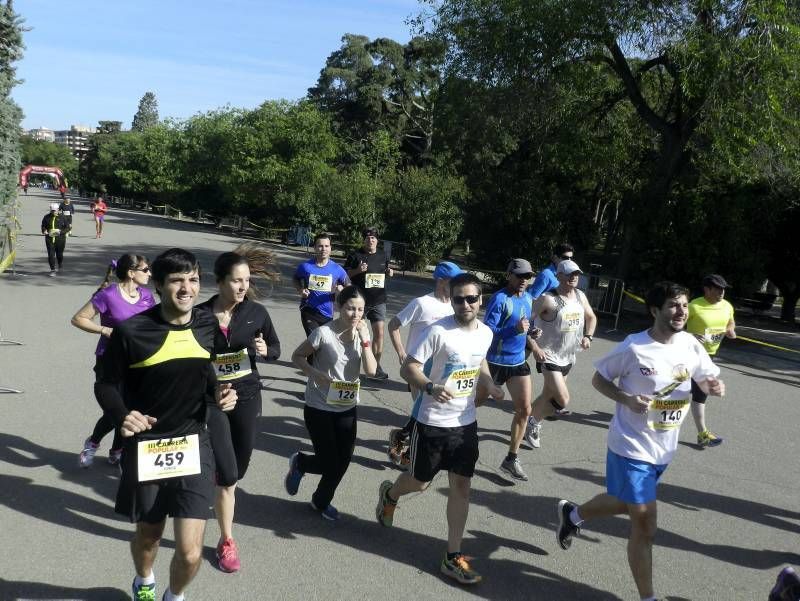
[661, 139]
[10, 114]
[50, 154]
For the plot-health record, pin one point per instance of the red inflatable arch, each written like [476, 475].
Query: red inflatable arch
[25, 172]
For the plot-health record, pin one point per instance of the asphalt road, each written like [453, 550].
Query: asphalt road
[728, 517]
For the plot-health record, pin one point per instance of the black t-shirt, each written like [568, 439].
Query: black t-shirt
[372, 283]
[164, 370]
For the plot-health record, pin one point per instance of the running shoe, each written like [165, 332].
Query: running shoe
[330, 513]
[228, 556]
[396, 446]
[115, 456]
[533, 435]
[514, 469]
[566, 529]
[707, 438]
[53, 273]
[293, 477]
[385, 509]
[87, 454]
[380, 374]
[787, 586]
[459, 569]
[143, 592]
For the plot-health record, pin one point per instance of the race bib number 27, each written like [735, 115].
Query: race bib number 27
[168, 458]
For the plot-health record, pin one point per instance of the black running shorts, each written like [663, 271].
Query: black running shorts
[152, 502]
[564, 369]
[503, 373]
[451, 449]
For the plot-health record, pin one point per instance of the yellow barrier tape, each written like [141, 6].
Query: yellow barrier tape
[775, 346]
[634, 297]
[7, 261]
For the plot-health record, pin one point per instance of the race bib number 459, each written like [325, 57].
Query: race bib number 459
[168, 458]
[461, 382]
[667, 414]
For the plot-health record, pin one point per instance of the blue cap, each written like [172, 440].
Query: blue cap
[446, 270]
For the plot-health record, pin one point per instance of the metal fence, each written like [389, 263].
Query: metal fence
[605, 294]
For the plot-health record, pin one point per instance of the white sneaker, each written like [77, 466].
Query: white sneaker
[514, 469]
[87, 454]
[53, 273]
[533, 434]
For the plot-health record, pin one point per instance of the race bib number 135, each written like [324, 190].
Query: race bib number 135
[461, 382]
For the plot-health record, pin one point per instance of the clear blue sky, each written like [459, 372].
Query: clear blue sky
[87, 60]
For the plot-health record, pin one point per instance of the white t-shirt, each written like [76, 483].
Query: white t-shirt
[640, 365]
[420, 313]
[341, 360]
[456, 356]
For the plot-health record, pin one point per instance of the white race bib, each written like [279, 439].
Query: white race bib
[232, 366]
[67, 213]
[667, 414]
[570, 322]
[168, 457]
[375, 280]
[320, 283]
[343, 393]
[714, 336]
[461, 383]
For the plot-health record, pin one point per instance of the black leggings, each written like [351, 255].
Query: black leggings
[233, 434]
[55, 250]
[105, 424]
[333, 435]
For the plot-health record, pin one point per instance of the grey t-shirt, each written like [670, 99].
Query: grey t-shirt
[340, 359]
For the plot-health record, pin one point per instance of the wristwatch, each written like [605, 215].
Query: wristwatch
[589, 336]
[429, 388]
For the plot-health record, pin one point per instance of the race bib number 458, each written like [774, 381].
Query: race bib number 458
[168, 458]
[461, 382]
[232, 366]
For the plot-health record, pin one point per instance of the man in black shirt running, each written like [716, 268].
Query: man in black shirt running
[157, 378]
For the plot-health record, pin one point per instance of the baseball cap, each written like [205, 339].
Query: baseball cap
[717, 280]
[446, 270]
[519, 266]
[54, 206]
[568, 267]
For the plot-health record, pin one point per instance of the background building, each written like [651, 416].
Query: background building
[76, 138]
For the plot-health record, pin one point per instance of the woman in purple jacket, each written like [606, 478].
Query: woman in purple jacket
[114, 303]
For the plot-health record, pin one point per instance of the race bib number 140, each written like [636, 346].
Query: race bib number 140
[667, 414]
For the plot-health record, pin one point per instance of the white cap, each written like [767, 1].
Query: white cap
[54, 206]
[568, 267]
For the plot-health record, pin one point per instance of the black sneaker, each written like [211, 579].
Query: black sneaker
[787, 586]
[566, 529]
[380, 374]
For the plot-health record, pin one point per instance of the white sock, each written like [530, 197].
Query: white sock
[170, 596]
[575, 518]
[146, 580]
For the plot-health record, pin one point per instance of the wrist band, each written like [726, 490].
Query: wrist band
[589, 336]
[366, 343]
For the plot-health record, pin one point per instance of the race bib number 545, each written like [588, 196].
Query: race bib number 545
[168, 458]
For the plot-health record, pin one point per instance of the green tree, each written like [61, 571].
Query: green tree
[41, 152]
[368, 86]
[147, 114]
[690, 70]
[10, 114]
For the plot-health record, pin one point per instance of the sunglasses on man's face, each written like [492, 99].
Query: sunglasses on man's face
[471, 299]
[566, 257]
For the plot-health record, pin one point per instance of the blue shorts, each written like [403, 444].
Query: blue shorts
[630, 480]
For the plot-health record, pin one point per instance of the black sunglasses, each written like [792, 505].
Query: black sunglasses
[471, 299]
[566, 257]
[524, 276]
[143, 269]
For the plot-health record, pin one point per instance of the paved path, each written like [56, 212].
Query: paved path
[729, 517]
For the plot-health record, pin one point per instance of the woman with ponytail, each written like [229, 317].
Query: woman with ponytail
[113, 304]
[245, 333]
